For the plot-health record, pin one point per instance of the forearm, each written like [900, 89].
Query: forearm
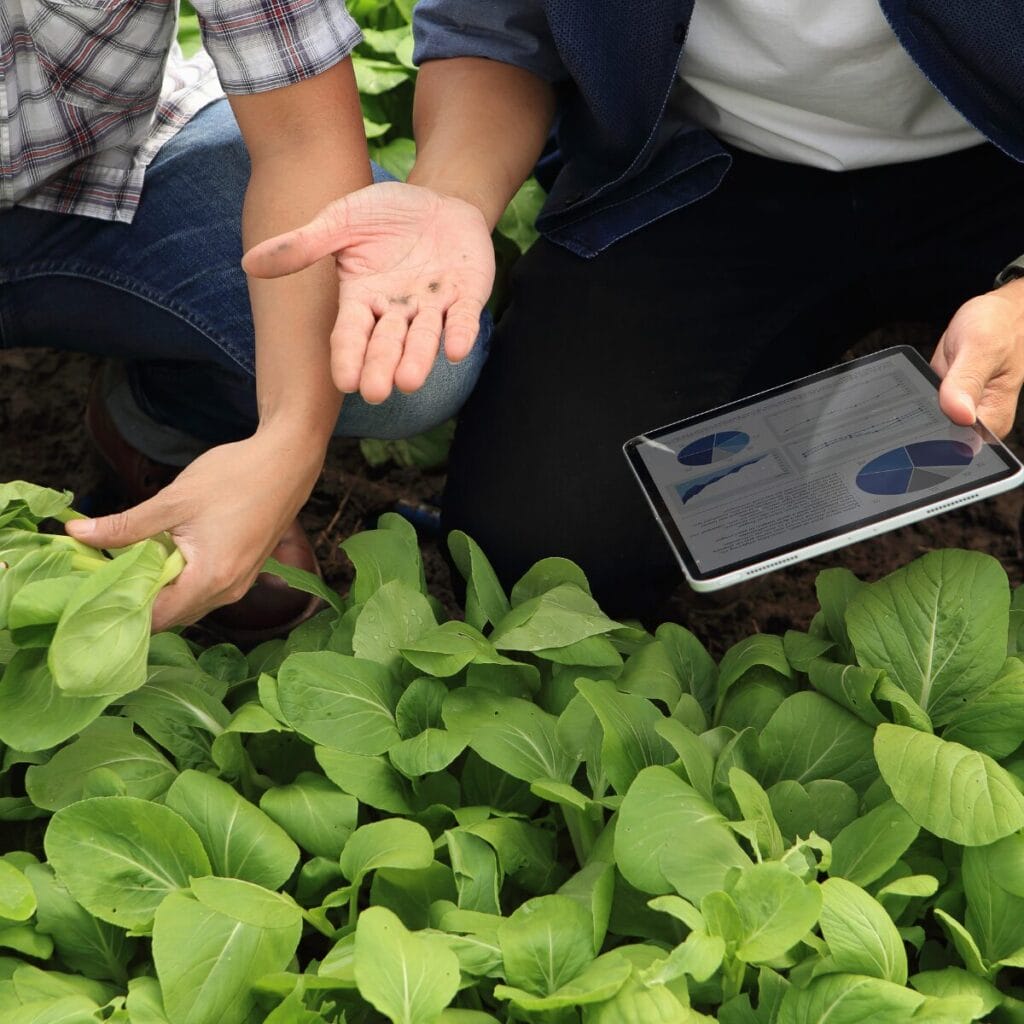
[292, 316]
[307, 149]
[480, 126]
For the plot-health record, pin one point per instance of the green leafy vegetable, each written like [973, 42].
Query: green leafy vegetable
[537, 816]
[408, 977]
[947, 788]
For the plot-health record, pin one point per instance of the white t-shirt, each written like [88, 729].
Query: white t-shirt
[813, 82]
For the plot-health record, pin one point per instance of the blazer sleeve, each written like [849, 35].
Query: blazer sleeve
[1010, 272]
[511, 31]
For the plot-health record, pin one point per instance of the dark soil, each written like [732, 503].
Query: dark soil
[42, 394]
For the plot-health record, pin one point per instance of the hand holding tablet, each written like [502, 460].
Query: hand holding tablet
[811, 466]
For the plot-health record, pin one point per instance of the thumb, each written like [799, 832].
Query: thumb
[175, 604]
[296, 250]
[962, 389]
[122, 528]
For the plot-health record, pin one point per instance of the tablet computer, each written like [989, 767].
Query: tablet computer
[810, 466]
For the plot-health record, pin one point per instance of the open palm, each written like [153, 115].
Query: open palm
[411, 264]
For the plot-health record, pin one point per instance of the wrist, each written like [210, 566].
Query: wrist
[1012, 272]
[1012, 287]
[1012, 294]
[299, 430]
[488, 201]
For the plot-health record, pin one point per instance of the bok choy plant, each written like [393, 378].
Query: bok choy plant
[76, 621]
[535, 815]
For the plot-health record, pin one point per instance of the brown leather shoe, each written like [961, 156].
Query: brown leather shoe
[134, 477]
[271, 608]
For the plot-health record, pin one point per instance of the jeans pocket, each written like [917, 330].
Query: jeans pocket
[103, 55]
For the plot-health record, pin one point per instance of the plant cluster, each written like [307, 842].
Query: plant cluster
[538, 814]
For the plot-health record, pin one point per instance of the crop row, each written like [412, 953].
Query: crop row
[537, 814]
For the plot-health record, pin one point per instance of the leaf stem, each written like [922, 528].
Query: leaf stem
[733, 972]
[318, 919]
[353, 903]
[172, 567]
[64, 541]
[81, 562]
[583, 831]
[67, 514]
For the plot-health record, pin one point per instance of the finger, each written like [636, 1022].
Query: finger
[183, 601]
[123, 528]
[998, 408]
[461, 327]
[177, 604]
[382, 357]
[959, 404]
[295, 250]
[965, 383]
[199, 589]
[351, 335]
[421, 343]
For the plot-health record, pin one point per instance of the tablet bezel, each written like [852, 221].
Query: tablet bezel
[827, 540]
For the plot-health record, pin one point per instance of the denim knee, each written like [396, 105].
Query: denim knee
[440, 398]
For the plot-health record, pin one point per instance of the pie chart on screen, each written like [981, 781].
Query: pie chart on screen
[915, 467]
[714, 448]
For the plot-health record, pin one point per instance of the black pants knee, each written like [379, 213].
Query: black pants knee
[772, 276]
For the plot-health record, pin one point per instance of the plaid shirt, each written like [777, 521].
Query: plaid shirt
[91, 89]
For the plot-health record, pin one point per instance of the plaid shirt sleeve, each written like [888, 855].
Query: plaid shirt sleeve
[259, 45]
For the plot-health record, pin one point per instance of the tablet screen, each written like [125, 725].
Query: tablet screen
[809, 461]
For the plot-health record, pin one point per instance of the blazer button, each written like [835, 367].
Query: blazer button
[679, 33]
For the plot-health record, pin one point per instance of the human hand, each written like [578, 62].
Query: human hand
[226, 512]
[981, 359]
[411, 263]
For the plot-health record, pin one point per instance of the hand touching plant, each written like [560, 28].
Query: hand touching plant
[78, 621]
[269, 475]
[411, 264]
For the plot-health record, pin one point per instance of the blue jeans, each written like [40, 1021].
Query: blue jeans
[165, 296]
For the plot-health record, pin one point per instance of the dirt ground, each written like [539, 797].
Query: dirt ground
[42, 394]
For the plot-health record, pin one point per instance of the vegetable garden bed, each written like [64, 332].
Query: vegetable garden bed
[537, 814]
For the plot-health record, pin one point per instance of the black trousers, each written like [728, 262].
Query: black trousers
[773, 276]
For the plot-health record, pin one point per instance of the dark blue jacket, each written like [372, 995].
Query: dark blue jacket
[628, 157]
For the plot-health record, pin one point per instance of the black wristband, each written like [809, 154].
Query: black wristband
[1010, 272]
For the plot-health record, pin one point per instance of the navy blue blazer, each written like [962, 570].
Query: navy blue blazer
[627, 157]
